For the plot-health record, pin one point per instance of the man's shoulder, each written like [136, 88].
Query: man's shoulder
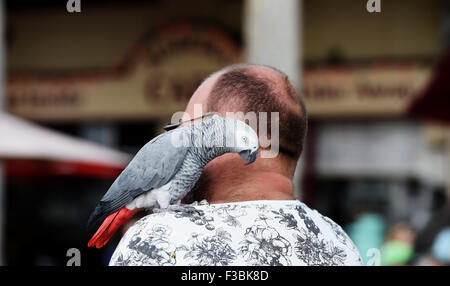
[178, 236]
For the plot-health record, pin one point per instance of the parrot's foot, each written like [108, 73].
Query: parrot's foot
[176, 208]
[201, 203]
[171, 208]
[185, 209]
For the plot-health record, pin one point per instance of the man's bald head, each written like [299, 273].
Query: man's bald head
[256, 88]
[251, 88]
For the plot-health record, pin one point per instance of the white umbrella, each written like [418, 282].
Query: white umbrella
[21, 139]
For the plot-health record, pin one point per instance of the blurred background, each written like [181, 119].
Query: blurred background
[83, 91]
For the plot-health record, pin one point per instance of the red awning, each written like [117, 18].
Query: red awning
[29, 149]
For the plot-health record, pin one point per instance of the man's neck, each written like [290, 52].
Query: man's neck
[264, 185]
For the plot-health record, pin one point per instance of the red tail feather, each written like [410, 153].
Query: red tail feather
[110, 225]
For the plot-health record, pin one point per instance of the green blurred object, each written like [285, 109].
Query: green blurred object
[396, 253]
[367, 232]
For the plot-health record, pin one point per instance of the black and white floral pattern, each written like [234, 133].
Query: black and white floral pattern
[309, 222]
[263, 245]
[196, 216]
[209, 250]
[151, 248]
[314, 251]
[244, 233]
[230, 214]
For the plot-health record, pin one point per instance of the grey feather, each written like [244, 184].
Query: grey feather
[160, 161]
[153, 166]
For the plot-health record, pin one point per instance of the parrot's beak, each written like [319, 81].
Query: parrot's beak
[249, 155]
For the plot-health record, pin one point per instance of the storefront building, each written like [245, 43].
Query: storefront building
[116, 73]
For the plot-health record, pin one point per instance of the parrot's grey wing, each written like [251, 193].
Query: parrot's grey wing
[152, 167]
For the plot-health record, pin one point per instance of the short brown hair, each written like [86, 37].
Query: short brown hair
[241, 86]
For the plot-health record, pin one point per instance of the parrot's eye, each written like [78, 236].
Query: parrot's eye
[244, 139]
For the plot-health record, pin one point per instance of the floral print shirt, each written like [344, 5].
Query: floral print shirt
[243, 233]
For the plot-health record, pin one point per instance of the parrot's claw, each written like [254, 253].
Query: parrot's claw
[185, 209]
[176, 208]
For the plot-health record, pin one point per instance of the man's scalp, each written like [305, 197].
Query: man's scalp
[246, 88]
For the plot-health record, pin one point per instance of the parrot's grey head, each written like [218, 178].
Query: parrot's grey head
[235, 136]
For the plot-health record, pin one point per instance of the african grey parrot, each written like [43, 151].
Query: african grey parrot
[167, 168]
